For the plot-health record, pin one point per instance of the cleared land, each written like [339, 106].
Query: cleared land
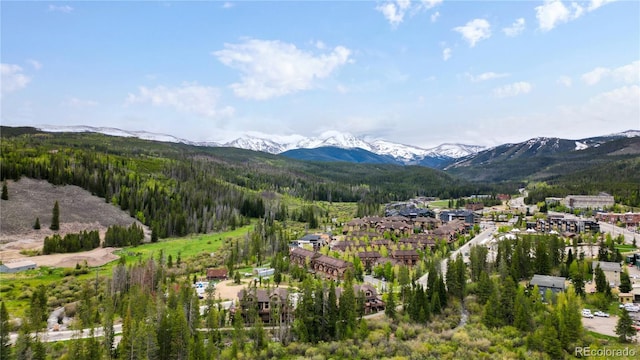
[79, 210]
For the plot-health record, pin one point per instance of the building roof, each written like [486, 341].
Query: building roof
[19, 264]
[302, 252]
[369, 254]
[555, 282]
[327, 260]
[217, 273]
[264, 296]
[396, 253]
[606, 266]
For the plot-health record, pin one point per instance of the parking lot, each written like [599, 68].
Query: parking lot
[607, 326]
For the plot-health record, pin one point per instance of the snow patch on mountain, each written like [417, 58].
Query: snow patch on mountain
[581, 146]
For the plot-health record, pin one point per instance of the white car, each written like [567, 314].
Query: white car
[587, 313]
[601, 314]
[632, 308]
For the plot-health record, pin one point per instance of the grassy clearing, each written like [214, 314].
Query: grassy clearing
[15, 289]
[439, 204]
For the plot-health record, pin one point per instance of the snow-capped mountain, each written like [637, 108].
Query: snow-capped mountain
[257, 144]
[144, 135]
[404, 154]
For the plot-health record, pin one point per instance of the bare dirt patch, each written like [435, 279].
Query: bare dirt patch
[79, 210]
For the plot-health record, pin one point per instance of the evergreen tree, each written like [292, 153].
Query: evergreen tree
[485, 288]
[390, 309]
[5, 192]
[491, 316]
[602, 286]
[522, 317]
[551, 343]
[36, 226]
[625, 282]
[5, 345]
[624, 327]
[55, 218]
[347, 310]
[567, 312]
[507, 298]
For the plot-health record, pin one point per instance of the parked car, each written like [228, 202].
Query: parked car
[587, 313]
[632, 307]
[601, 314]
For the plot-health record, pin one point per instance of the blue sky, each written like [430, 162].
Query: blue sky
[414, 72]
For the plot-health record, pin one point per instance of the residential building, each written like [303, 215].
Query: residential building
[217, 274]
[467, 216]
[330, 267]
[546, 282]
[271, 305]
[372, 301]
[611, 271]
[407, 257]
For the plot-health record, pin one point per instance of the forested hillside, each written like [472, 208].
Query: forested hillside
[178, 189]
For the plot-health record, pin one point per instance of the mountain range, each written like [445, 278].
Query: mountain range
[337, 146]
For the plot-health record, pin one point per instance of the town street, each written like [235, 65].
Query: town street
[481, 239]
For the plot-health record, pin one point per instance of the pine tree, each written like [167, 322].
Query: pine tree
[624, 327]
[55, 218]
[390, 309]
[5, 346]
[602, 286]
[36, 226]
[625, 282]
[5, 191]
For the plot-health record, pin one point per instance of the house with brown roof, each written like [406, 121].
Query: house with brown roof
[328, 266]
[217, 274]
[267, 303]
[407, 257]
[369, 258]
[372, 301]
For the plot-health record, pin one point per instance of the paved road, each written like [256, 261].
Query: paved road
[64, 335]
[616, 231]
[481, 239]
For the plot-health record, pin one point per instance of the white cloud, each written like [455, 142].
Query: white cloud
[629, 74]
[189, 97]
[565, 80]
[74, 102]
[485, 76]
[554, 12]
[446, 54]
[594, 76]
[594, 4]
[61, 8]
[435, 16]
[551, 13]
[428, 4]
[394, 11]
[618, 106]
[35, 63]
[474, 31]
[514, 89]
[13, 78]
[228, 5]
[274, 68]
[515, 29]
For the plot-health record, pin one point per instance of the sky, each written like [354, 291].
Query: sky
[420, 73]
